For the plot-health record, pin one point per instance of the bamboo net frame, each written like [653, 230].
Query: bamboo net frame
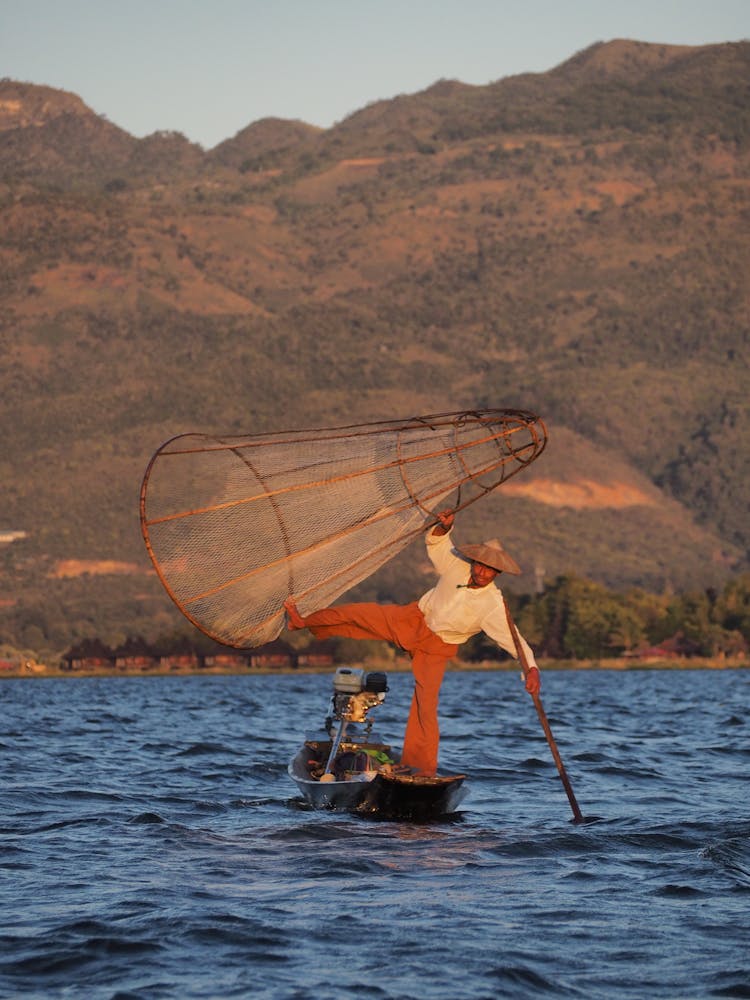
[235, 525]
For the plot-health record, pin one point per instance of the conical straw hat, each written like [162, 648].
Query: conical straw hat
[491, 554]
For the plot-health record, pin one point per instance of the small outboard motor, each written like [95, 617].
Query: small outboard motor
[354, 694]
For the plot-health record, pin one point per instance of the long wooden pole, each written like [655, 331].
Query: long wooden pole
[523, 660]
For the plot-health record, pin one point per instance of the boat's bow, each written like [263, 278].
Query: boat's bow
[412, 797]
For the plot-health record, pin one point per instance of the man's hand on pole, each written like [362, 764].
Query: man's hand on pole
[533, 681]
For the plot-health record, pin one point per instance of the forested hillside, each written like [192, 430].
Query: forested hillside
[573, 243]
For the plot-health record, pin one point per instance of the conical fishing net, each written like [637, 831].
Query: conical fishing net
[236, 525]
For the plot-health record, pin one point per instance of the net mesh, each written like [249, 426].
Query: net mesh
[236, 525]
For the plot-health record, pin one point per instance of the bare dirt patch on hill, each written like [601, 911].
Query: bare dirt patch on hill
[67, 568]
[583, 494]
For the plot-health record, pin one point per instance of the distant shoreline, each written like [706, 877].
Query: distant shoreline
[399, 665]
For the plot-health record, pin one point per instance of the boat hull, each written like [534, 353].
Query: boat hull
[380, 793]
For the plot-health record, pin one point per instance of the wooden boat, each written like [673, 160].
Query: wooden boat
[356, 773]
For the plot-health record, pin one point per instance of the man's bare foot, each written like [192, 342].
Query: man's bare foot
[294, 618]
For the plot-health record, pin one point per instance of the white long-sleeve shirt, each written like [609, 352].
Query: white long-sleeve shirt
[456, 612]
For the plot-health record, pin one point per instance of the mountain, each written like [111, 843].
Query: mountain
[52, 137]
[263, 144]
[573, 242]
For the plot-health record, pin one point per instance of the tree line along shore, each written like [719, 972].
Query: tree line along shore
[396, 664]
[573, 622]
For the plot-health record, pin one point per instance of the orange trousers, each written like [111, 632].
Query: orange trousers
[403, 625]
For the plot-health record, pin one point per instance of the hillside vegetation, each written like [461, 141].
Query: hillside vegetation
[573, 243]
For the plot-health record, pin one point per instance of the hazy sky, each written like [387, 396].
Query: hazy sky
[208, 68]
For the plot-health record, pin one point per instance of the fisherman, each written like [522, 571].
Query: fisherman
[462, 603]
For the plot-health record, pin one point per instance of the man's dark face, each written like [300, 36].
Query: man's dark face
[482, 575]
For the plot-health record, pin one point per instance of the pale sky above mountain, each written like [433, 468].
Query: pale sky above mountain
[208, 69]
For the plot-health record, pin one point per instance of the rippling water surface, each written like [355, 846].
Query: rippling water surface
[153, 845]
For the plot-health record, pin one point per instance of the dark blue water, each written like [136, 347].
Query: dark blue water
[153, 846]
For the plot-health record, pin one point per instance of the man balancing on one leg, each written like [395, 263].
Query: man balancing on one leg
[463, 602]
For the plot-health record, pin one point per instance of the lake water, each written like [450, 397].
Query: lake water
[153, 845]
